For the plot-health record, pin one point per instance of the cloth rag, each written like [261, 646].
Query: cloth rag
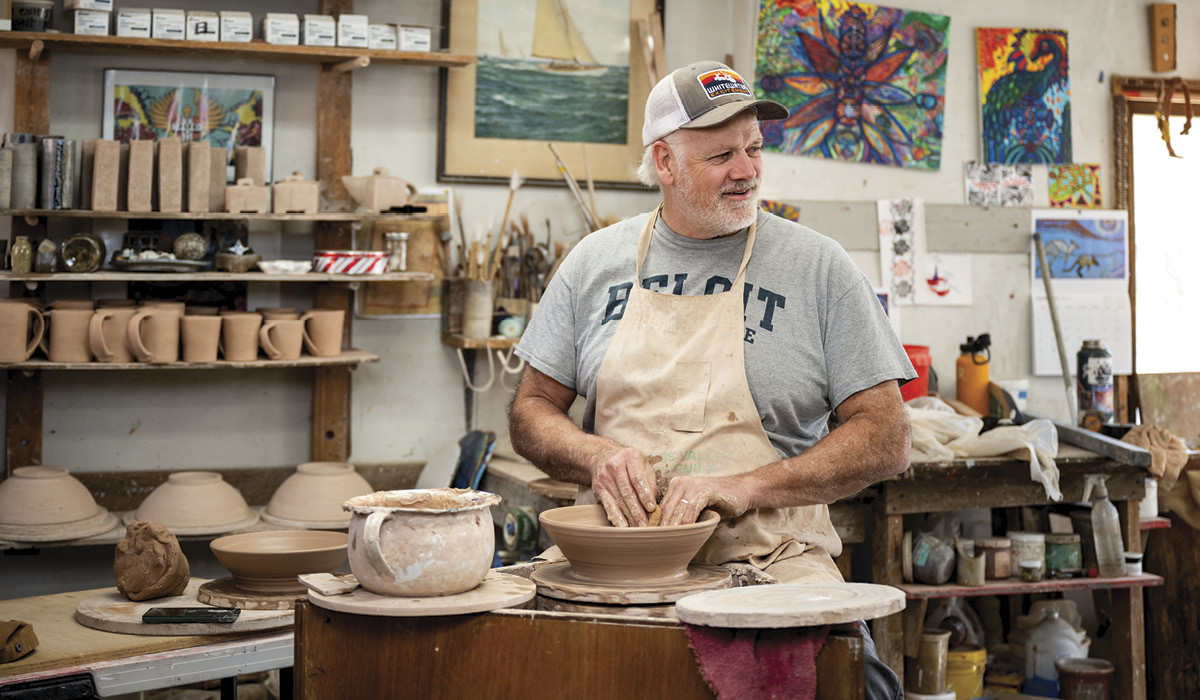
[18, 640]
[1168, 454]
[753, 664]
[1183, 499]
[941, 433]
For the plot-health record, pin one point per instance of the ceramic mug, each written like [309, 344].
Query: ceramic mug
[201, 337]
[67, 339]
[16, 342]
[108, 334]
[194, 310]
[73, 304]
[282, 339]
[154, 334]
[239, 335]
[115, 303]
[323, 331]
[176, 306]
[270, 313]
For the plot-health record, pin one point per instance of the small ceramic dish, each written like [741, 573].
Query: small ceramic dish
[270, 561]
[600, 552]
[195, 503]
[285, 267]
[44, 495]
[313, 496]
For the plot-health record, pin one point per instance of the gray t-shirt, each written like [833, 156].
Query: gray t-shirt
[815, 331]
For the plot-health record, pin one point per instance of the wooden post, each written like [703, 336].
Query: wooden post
[841, 659]
[23, 419]
[885, 564]
[1128, 628]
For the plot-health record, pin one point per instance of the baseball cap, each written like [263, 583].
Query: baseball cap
[705, 93]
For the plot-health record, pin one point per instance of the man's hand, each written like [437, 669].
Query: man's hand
[624, 484]
[687, 496]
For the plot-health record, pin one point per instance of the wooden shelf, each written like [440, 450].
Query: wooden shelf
[455, 340]
[348, 357]
[1156, 523]
[255, 50]
[114, 276]
[329, 216]
[1012, 586]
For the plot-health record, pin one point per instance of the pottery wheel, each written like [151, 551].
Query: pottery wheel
[790, 605]
[497, 591]
[213, 529]
[101, 522]
[558, 580]
[113, 612]
[224, 593]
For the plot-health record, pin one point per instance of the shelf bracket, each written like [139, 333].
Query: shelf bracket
[35, 49]
[352, 64]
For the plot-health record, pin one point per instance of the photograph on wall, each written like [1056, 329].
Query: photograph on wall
[225, 110]
[1025, 95]
[997, 184]
[1075, 186]
[862, 83]
[561, 71]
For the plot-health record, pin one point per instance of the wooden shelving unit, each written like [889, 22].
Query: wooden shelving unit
[348, 357]
[324, 217]
[114, 276]
[462, 342]
[1012, 586]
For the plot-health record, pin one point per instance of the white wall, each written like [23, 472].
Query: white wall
[411, 402]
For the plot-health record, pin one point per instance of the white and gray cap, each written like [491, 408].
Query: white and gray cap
[703, 94]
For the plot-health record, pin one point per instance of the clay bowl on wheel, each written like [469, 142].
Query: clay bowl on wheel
[269, 562]
[602, 553]
[313, 495]
[44, 496]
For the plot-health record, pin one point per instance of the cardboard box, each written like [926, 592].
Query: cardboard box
[352, 31]
[91, 22]
[141, 176]
[104, 173]
[383, 36]
[416, 39]
[102, 5]
[237, 26]
[246, 198]
[198, 166]
[250, 162]
[168, 24]
[319, 30]
[134, 21]
[203, 26]
[295, 195]
[281, 28]
[170, 174]
[219, 178]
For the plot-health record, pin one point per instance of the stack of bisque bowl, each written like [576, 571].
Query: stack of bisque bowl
[47, 504]
[196, 503]
[312, 496]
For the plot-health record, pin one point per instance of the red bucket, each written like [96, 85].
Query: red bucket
[918, 355]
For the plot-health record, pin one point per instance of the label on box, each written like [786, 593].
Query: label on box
[416, 39]
[320, 30]
[103, 5]
[203, 26]
[281, 28]
[383, 36]
[91, 22]
[237, 26]
[352, 31]
[133, 22]
[5, 25]
[169, 24]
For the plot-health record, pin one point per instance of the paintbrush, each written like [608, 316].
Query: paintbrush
[462, 232]
[514, 183]
[574, 187]
[587, 169]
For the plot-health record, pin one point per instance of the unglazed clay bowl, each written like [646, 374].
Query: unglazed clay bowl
[196, 502]
[603, 553]
[314, 495]
[421, 542]
[44, 495]
[269, 562]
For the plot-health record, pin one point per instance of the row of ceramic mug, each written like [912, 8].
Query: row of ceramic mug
[155, 331]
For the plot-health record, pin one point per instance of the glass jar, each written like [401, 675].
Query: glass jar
[1063, 554]
[21, 256]
[397, 246]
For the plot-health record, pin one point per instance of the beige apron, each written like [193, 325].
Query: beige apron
[673, 384]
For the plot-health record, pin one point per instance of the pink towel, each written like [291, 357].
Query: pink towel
[758, 664]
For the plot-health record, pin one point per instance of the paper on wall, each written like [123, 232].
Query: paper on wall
[944, 279]
[901, 244]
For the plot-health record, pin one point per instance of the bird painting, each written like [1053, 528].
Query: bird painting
[1026, 95]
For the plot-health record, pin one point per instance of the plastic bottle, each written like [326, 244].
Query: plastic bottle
[1106, 528]
[971, 372]
[1054, 638]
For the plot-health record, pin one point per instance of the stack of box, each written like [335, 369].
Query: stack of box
[134, 22]
[168, 24]
[90, 17]
[281, 28]
[353, 32]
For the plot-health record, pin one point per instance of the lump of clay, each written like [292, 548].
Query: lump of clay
[149, 562]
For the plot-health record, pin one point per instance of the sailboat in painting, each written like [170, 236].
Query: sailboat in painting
[558, 42]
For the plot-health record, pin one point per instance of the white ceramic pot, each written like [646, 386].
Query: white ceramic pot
[421, 542]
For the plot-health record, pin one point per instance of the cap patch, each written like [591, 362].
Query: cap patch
[718, 83]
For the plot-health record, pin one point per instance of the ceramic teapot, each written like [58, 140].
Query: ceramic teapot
[379, 192]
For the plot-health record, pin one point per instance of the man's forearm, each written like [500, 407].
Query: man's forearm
[548, 438]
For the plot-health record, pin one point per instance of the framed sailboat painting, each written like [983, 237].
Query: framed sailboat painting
[566, 72]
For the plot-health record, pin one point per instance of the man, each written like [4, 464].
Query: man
[711, 341]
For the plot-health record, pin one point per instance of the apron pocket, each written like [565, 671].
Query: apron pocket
[691, 395]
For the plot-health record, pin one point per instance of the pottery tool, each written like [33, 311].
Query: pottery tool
[575, 192]
[587, 171]
[1058, 337]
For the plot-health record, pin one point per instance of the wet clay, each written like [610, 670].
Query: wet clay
[149, 562]
[422, 499]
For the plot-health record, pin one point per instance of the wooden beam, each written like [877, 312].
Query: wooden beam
[1128, 616]
[331, 415]
[23, 419]
[31, 98]
[1122, 452]
[888, 632]
[1001, 488]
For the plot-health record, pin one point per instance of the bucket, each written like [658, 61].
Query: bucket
[1084, 679]
[964, 670]
[918, 355]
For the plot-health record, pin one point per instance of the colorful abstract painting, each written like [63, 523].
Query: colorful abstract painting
[998, 185]
[862, 83]
[1025, 95]
[781, 209]
[1075, 186]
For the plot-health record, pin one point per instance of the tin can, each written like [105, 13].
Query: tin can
[1093, 380]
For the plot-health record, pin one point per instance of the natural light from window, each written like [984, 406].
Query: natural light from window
[1168, 247]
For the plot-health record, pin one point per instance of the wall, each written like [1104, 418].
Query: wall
[411, 403]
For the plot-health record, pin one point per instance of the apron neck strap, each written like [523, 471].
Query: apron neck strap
[648, 233]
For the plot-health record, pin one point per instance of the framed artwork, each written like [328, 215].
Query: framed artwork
[1075, 185]
[1025, 95]
[567, 72]
[224, 109]
[862, 83]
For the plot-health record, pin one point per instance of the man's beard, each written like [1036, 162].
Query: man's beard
[711, 213]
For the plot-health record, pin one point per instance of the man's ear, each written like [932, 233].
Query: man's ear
[664, 162]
